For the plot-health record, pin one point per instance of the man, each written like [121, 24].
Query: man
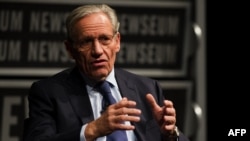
[68, 106]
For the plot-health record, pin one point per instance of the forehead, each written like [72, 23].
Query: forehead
[96, 23]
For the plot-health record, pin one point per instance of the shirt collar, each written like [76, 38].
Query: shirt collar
[111, 78]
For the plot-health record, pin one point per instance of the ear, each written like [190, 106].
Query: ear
[69, 48]
[118, 40]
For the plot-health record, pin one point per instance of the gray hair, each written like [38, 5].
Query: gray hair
[85, 10]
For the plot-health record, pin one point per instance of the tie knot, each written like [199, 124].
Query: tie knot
[103, 87]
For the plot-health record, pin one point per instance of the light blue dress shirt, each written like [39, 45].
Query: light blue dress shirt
[96, 103]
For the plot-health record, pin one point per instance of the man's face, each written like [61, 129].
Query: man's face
[94, 46]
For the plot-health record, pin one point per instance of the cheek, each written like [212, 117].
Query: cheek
[77, 56]
[114, 51]
[80, 58]
[112, 59]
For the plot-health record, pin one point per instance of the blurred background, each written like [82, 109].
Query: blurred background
[161, 39]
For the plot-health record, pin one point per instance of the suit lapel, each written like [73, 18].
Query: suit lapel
[79, 97]
[128, 89]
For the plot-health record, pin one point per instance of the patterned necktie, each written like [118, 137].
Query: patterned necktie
[104, 88]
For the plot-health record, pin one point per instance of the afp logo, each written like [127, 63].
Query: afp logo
[237, 132]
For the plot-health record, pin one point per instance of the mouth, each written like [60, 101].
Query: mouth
[99, 63]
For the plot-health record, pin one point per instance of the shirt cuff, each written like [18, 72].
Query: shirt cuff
[82, 137]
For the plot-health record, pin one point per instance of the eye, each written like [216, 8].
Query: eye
[86, 41]
[105, 39]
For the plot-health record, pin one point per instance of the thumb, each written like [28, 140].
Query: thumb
[152, 102]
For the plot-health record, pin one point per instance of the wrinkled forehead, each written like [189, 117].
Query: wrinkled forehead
[92, 24]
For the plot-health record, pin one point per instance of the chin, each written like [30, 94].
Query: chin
[99, 75]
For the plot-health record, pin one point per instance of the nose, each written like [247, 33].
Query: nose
[97, 47]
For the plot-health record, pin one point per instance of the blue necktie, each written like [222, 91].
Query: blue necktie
[104, 88]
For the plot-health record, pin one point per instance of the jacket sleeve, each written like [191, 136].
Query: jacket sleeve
[41, 125]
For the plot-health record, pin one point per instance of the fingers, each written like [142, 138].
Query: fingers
[125, 107]
[169, 120]
[165, 115]
[168, 124]
[122, 111]
[125, 103]
[169, 108]
[168, 103]
[123, 114]
[119, 122]
[152, 102]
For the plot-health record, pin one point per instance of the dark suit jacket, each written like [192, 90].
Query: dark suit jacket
[59, 106]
